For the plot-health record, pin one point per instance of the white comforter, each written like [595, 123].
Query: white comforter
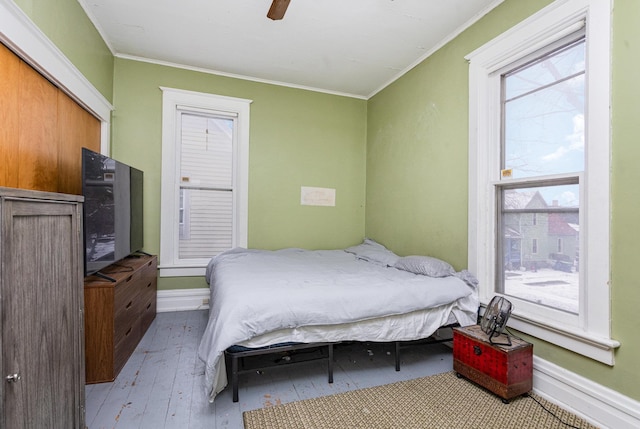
[257, 292]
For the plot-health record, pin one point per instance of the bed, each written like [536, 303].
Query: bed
[363, 293]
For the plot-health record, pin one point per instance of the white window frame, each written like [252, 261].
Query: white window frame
[172, 101]
[589, 333]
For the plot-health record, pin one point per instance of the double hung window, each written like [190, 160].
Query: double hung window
[204, 179]
[539, 174]
[542, 160]
[205, 184]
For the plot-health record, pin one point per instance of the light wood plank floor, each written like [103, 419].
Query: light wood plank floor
[161, 386]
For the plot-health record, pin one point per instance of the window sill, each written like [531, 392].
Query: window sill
[584, 343]
[182, 271]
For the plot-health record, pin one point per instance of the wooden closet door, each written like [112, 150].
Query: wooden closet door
[37, 137]
[42, 335]
[76, 129]
[42, 131]
[9, 108]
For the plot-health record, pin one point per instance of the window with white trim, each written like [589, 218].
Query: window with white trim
[539, 174]
[204, 179]
[542, 159]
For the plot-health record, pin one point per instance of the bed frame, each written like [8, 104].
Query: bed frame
[234, 356]
[427, 341]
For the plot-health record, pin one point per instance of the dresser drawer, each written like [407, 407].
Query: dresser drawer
[149, 282]
[128, 310]
[148, 313]
[148, 295]
[125, 346]
[126, 293]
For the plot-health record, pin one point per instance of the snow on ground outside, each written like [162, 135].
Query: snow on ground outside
[557, 289]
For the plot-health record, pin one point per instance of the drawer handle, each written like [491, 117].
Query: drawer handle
[477, 350]
[148, 306]
[149, 285]
[129, 279]
[129, 305]
[128, 332]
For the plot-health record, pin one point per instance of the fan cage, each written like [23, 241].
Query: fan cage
[494, 320]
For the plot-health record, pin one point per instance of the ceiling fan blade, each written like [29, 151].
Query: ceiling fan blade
[277, 9]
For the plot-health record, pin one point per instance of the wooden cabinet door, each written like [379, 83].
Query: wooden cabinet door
[41, 311]
[42, 131]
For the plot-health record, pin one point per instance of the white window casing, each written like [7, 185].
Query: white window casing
[589, 332]
[176, 102]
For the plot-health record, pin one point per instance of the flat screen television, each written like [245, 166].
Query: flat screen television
[112, 210]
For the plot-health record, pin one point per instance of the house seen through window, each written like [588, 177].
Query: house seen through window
[543, 111]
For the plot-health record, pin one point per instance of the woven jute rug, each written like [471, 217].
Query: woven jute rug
[441, 401]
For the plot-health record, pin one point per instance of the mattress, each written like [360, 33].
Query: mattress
[262, 297]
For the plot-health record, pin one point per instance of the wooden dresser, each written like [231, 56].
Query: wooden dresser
[117, 314]
[505, 370]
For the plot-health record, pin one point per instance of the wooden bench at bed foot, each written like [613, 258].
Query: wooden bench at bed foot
[235, 355]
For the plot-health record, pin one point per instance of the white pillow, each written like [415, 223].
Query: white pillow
[425, 265]
[374, 252]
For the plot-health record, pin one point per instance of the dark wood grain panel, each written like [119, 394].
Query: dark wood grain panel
[41, 309]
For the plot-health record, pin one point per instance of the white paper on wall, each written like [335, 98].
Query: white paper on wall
[310, 196]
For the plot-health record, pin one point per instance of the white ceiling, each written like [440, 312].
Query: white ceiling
[352, 47]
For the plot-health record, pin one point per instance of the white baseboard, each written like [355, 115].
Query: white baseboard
[595, 403]
[183, 300]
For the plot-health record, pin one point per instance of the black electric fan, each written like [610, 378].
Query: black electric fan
[495, 319]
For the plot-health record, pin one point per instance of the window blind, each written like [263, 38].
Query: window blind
[205, 181]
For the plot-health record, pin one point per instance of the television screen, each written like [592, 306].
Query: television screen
[112, 210]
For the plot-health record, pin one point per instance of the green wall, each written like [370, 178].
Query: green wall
[417, 161]
[297, 138]
[416, 133]
[625, 177]
[68, 27]
[417, 148]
